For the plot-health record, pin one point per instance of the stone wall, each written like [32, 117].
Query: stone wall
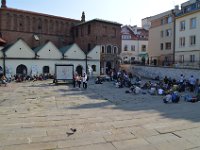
[152, 72]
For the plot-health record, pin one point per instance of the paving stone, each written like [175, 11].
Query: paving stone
[33, 146]
[130, 144]
[80, 142]
[102, 146]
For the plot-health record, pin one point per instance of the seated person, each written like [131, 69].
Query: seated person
[4, 80]
[152, 91]
[98, 80]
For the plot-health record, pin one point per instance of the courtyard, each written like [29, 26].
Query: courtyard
[41, 116]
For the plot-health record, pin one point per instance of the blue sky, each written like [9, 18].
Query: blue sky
[122, 11]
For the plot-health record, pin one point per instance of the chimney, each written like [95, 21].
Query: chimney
[177, 7]
[83, 17]
[3, 3]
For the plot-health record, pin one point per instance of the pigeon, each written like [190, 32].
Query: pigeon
[73, 130]
[71, 133]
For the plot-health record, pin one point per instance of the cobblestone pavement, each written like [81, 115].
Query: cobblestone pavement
[42, 116]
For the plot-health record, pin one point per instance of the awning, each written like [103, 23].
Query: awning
[143, 55]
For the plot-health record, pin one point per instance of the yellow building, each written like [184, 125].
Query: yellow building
[187, 52]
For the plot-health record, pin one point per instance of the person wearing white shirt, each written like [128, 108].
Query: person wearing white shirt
[84, 78]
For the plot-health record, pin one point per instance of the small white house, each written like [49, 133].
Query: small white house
[72, 54]
[93, 58]
[21, 59]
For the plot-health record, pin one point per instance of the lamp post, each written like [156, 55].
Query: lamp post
[4, 63]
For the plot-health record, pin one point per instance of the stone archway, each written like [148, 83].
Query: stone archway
[79, 70]
[21, 69]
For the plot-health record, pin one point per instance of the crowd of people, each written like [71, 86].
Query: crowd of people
[168, 87]
[78, 80]
[21, 78]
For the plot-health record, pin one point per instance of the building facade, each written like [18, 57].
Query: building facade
[188, 35]
[37, 29]
[100, 32]
[162, 38]
[134, 44]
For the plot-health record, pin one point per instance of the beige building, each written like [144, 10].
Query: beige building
[161, 38]
[187, 52]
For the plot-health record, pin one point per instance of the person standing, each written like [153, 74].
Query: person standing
[78, 79]
[191, 83]
[84, 80]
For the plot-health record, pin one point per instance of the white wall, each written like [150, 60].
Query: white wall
[50, 51]
[75, 52]
[20, 50]
[12, 64]
[94, 59]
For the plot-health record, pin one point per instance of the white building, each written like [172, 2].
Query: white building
[188, 35]
[21, 59]
[134, 44]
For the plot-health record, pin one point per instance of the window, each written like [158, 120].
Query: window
[126, 37]
[115, 50]
[46, 69]
[181, 58]
[168, 32]
[125, 47]
[77, 33]
[162, 21]
[192, 40]
[161, 33]
[103, 49]
[143, 48]
[114, 32]
[192, 58]
[192, 23]
[89, 47]
[81, 31]
[94, 68]
[132, 47]
[109, 49]
[161, 46]
[89, 29]
[182, 41]
[169, 19]
[182, 25]
[167, 45]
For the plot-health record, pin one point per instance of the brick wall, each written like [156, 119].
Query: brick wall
[24, 24]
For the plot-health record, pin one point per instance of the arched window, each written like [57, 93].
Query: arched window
[109, 49]
[79, 70]
[21, 69]
[94, 67]
[39, 25]
[103, 49]
[46, 26]
[33, 24]
[28, 23]
[115, 50]
[46, 69]
[8, 23]
[21, 23]
[15, 26]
